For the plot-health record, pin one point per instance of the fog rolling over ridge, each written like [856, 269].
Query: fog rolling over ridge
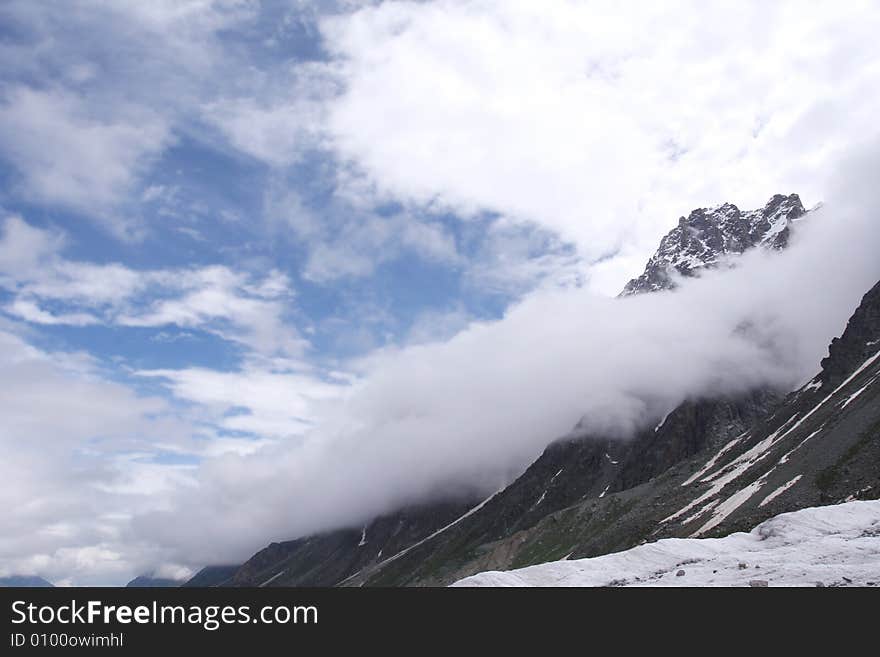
[464, 416]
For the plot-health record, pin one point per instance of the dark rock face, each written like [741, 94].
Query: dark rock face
[690, 428]
[858, 341]
[707, 236]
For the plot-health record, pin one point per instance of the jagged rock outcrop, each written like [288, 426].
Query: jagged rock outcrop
[708, 236]
[857, 342]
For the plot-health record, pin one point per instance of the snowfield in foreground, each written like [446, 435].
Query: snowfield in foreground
[832, 545]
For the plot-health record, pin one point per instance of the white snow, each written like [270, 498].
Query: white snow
[868, 362]
[778, 223]
[363, 537]
[788, 454]
[857, 393]
[711, 463]
[610, 460]
[814, 384]
[602, 494]
[716, 488]
[662, 422]
[731, 504]
[758, 452]
[272, 579]
[779, 491]
[835, 545]
[711, 505]
[729, 473]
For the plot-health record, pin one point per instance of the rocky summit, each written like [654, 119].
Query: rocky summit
[708, 237]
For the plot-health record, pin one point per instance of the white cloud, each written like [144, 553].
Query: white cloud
[238, 306]
[360, 245]
[271, 402]
[22, 246]
[75, 476]
[31, 312]
[57, 466]
[513, 258]
[348, 238]
[70, 158]
[251, 311]
[96, 93]
[279, 116]
[601, 122]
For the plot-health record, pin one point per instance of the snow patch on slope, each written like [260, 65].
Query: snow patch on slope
[779, 491]
[711, 463]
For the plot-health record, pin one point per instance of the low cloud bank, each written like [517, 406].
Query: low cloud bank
[467, 415]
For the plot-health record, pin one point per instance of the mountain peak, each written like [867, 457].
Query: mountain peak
[707, 235]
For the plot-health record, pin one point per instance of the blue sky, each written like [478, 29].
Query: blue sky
[221, 219]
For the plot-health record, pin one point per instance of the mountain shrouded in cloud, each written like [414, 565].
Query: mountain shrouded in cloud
[268, 268]
[460, 417]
